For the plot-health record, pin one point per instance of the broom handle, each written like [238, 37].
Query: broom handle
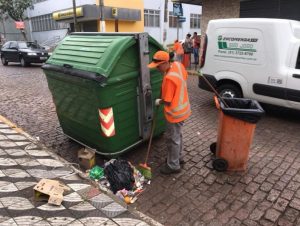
[215, 91]
[151, 136]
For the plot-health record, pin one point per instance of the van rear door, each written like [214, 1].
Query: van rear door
[293, 79]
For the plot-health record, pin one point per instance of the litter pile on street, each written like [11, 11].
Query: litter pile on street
[119, 176]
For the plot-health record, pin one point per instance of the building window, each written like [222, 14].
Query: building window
[151, 18]
[195, 20]
[46, 23]
[173, 20]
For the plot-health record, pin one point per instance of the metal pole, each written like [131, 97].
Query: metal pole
[102, 19]
[166, 25]
[74, 15]
[116, 24]
[177, 27]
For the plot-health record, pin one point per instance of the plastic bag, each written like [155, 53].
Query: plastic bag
[119, 173]
[243, 109]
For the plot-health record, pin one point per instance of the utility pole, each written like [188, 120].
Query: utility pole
[166, 25]
[74, 15]
[3, 26]
[102, 19]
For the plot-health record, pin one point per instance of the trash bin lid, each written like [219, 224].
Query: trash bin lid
[247, 110]
[91, 52]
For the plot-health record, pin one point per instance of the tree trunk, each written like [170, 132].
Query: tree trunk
[24, 35]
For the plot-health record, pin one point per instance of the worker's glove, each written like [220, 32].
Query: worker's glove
[158, 102]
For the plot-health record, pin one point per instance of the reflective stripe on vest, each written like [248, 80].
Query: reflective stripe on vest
[181, 104]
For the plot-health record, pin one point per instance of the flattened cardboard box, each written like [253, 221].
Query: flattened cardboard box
[50, 189]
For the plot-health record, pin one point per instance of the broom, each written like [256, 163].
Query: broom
[212, 88]
[143, 167]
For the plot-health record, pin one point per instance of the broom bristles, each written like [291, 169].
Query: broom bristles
[145, 170]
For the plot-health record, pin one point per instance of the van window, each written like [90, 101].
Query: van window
[298, 60]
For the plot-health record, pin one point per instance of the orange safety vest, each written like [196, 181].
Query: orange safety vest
[178, 48]
[179, 108]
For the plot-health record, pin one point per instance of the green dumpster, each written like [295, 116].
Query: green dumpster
[103, 91]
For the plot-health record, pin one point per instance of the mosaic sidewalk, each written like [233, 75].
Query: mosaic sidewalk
[23, 162]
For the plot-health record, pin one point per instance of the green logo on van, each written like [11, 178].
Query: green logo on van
[236, 44]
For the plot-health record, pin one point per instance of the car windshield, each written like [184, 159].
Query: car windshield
[28, 45]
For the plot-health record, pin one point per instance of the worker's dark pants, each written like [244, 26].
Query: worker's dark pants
[174, 144]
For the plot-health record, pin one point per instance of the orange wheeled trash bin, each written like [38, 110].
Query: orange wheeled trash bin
[237, 122]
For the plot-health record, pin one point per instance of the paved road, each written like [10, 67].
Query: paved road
[267, 194]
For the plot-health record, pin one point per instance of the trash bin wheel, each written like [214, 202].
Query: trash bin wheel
[220, 164]
[213, 147]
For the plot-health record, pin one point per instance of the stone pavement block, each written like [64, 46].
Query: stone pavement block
[287, 194]
[272, 215]
[273, 195]
[291, 214]
[210, 215]
[279, 185]
[234, 222]
[249, 222]
[284, 222]
[295, 203]
[252, 188]
[281, 204]
[272, 178]
[259, 196]
[242, 214]
[221, 206]
[264, 205]
[256, 214]
[266, 186]
[264, 222]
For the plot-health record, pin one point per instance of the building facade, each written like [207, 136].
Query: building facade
[49, 21]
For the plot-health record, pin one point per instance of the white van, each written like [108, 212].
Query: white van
[254, 58]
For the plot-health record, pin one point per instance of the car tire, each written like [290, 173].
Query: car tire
[23, 62]
[230, 91]
[4, 61]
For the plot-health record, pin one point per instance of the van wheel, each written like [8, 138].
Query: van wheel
[4, 61]
[230, 91]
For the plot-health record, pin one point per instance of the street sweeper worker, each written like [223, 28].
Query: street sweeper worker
[174, 98]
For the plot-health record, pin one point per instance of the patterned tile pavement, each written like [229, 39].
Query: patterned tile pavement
[23, 162]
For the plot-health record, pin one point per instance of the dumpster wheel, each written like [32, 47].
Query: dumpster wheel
[220, 164]
[213, 148]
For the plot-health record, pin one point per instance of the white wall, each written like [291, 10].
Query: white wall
[50, 6]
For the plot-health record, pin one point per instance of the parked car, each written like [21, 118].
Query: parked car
[23, 52]
[253, 58]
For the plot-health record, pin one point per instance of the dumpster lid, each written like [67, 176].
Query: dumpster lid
[92, 52]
